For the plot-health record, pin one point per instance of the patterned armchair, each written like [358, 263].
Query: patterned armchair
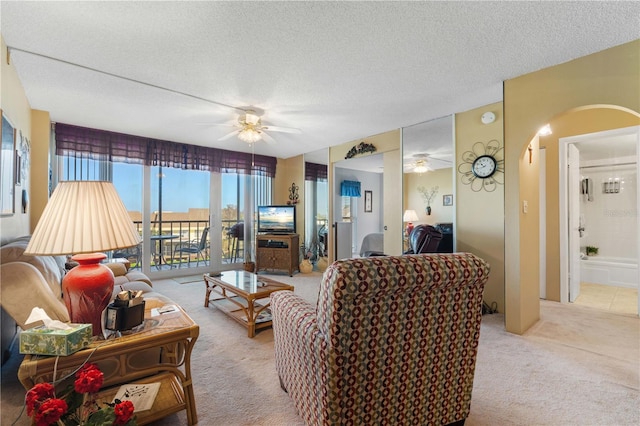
[392, 341]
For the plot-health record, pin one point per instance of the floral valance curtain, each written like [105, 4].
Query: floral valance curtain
[315, 172]
[120, 147]
[350, 188]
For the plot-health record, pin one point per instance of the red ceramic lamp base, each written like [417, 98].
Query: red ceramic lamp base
[87, 290]
[409, 228]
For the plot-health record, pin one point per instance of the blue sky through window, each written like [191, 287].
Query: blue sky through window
[181, 189]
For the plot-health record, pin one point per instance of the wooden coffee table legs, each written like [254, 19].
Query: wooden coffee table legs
[247, 308]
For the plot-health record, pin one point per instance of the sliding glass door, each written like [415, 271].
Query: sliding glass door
[191, 221]
[179, 218]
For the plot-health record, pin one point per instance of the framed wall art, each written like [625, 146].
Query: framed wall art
[447, 200]
[368, 202]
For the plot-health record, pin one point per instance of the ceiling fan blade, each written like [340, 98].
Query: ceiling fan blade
[230, 135]
[267, 138]
[282, 129]
[217, 124]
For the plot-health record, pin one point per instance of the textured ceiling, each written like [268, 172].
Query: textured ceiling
[338, 71]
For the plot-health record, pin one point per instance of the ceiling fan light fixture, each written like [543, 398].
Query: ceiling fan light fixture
[421, 167]
[249, 135]
[251, 118]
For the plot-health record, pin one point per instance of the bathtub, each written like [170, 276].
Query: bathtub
[616, 271]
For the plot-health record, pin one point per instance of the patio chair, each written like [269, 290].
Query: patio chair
[199, 248]
[236, 233]
[132, 254]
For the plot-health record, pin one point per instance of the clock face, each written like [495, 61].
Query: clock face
[484, 166]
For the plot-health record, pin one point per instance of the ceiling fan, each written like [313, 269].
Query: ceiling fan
[425, 163]
[251, 130]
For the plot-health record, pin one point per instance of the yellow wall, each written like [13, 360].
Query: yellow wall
[575, 122]
[610, 77]
[443, 179]
[479, 222]
[387, 141]
[290, 171]
[16, 108]
[40, 131]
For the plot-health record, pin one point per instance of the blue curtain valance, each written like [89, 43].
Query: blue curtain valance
[350, 188]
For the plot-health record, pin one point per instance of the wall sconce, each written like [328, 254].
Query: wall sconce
[545, 130]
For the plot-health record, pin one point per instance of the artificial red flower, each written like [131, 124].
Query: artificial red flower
[37, 395]
[50, 411]
[89, 379]
[45, 409]
[123, 412]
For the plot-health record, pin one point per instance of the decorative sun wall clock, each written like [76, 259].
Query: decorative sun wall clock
[483, 166]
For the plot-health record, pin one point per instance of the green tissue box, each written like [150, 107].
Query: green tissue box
[43, 341]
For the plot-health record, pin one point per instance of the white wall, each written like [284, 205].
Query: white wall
[366, 222]
[611, 219]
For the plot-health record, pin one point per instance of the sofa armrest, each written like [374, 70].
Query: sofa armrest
[138, 276]
[24, 288]
[117, 268]
[300, 347]
[122, 275]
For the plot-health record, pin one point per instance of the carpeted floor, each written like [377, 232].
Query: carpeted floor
[576, 366]
[189, 279]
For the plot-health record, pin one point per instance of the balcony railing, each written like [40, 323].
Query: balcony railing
[179, 233]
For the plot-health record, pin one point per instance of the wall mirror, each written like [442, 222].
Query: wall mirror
[7, 165]
[428, 176]
[316, 208]
[359, 223]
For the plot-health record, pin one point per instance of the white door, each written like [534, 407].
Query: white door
[573, 194]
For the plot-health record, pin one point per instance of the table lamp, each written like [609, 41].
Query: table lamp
[410, 216]
[84, 218]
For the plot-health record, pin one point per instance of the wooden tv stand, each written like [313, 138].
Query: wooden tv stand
[278, 251]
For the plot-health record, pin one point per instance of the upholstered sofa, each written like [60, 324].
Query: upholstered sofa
[28, 281]
[392, 341]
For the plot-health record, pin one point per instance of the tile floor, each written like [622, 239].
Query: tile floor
[609, 298]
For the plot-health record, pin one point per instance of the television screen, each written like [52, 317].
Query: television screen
[277, 219]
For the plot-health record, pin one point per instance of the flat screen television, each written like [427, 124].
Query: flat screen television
[277, 219]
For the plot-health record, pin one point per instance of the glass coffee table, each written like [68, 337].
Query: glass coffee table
[239, 294]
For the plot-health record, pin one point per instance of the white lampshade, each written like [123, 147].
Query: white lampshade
[83, 217]
[410, 216]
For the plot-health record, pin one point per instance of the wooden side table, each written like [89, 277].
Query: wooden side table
[161, 352]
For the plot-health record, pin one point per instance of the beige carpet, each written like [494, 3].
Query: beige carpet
[189, 279]
[577, 366]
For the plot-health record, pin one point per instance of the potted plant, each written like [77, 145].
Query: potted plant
[592, 250]
[428, 195]
[306, 252]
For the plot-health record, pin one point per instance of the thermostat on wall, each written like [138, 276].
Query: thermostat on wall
[488, 117]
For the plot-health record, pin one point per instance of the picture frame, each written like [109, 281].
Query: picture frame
[8, 167]
[18, 167]
[447, 200]
[368, 201]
